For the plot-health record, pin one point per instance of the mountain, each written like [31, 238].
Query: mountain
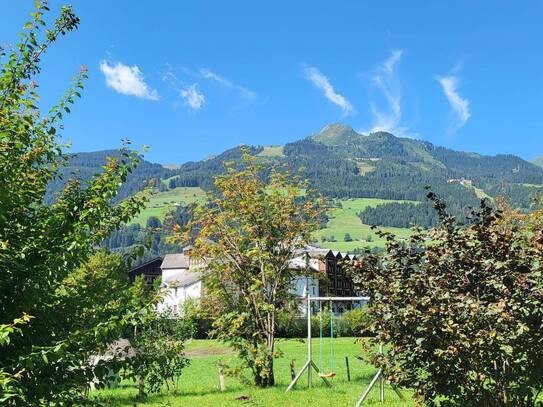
[342, 163]
[538, 161]
[336, 135]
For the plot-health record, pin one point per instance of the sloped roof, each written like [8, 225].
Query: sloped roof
[175, 261]
[300, 263]
[182, 278]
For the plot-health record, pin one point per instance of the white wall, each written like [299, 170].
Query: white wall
[174, 295]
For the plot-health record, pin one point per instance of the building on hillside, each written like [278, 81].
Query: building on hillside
[150, 271]
[319, 272]
[182, 280]
[336, 282]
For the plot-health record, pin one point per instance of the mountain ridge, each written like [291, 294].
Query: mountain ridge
[342, 163]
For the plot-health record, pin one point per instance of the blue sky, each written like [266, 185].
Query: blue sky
[191, 79]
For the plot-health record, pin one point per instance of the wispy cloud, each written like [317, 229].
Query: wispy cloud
[191, 95]
[209, 74]
[127, 80]
[387, 81]
[321, 82]
[460, 105]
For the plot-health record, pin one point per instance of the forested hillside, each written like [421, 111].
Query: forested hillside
[84, 165]
[340, 163]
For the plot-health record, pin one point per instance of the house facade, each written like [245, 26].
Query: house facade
[319, 272]
[182, 280]
[150, 271]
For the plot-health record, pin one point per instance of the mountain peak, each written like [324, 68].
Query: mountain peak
[336, 134]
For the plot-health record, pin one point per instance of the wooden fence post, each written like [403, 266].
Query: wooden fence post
[222, 386]
[292, 370]
[348, 370]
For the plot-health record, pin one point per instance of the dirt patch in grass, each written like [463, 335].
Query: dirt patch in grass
[209, 351]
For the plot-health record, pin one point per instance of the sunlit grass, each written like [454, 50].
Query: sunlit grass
[345, 220]
[198, 386]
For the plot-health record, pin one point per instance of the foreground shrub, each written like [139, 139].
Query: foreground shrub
[158, 345]
[43, 246]
[463, 313]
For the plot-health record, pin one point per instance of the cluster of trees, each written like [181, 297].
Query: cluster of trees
[84, 166]
[400, 214]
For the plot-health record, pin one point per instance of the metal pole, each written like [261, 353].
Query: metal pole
[309, 355]
[382, 383]
[370, 386]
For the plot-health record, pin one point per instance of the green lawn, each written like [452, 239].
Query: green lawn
[163, 202]
[198, 385]
[345, 220]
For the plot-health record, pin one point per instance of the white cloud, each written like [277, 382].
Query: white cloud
[209, 74]
[387, 81]
[191, 95]
[127, 80]
[193, 98]
[459, 104]
[322, 83]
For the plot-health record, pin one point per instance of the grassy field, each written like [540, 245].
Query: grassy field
[198, 385]
[345, 220]
[271, 151]
[162, 202]
[342, 220]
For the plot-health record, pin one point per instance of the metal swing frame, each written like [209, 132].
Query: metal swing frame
[309, 365]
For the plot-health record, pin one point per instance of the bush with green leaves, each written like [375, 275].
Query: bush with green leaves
[461, 308]
[350, 323]
[157, 341]
[42, 246]
[10, 389]
[194, 314]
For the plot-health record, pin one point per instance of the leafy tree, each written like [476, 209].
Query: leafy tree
[98, 290]
[10, 390]
[463, 314]
[347, 238]
[246, 234]
[41, 245]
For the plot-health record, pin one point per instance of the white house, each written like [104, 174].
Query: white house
[182, 277]
[181, 280]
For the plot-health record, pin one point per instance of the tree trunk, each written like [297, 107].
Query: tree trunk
[270, 380]
[141, 387]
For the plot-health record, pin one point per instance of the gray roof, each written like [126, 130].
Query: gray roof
[182, 278]
[175, 261]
